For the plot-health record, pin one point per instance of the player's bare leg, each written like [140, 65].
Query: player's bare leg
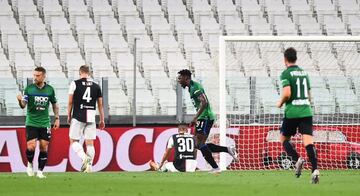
[42, 158]
[30, 151]
[311, 152]
[90, 152]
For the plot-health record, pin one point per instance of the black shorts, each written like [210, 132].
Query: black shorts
[40, 133]
[204, 126]
[290, 125]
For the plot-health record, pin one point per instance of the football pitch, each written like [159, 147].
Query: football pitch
[198, 183]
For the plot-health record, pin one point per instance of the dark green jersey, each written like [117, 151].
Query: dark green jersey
[298, 106]
[195, 90]
[38, 101]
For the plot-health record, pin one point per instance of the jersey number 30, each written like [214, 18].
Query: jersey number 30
[185, 144]
[87, 95]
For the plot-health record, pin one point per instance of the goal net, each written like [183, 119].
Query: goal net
[249, 87]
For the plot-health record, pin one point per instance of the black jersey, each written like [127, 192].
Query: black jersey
[184, 145]
[85, 94]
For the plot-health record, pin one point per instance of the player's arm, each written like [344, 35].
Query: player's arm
[285, 96]
[69, 108]
[22, 101]
[72, 89]
[309, 89]
[309, 95]
[55, 107]
[169, 146]
[203, 104]
[101, 112]
[165, 156]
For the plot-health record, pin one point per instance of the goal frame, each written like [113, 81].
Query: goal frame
[222, 69]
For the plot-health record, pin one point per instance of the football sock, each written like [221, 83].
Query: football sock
[290, 150]
[311, 152]
[208, 156]
[90, 150]
[216, 148]
[79, 150]
[30, 155]
[42, 160]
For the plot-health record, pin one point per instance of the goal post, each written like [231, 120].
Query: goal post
[334, 64]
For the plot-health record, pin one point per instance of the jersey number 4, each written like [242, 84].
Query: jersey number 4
[305, 87]
[185, 144]
[87, 95]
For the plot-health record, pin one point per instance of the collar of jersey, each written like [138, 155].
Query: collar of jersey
[87, 79]
[292, 66]
[36, 86]
[191, 82]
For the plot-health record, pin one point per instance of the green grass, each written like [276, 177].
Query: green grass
[240, 183]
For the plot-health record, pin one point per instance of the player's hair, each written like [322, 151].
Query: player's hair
[182, 124]
[40, 69]
[185, 72]
[84, 69]
[290, 55]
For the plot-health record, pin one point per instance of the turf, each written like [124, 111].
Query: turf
[199, 183]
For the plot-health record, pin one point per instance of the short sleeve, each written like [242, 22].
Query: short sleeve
[99, 92]
[53, 97]
[284, 81]
[170, 143]
[72, 88]
[198, 91]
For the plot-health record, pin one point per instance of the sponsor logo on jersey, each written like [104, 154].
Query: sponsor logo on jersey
[82, 106]
[41, 101]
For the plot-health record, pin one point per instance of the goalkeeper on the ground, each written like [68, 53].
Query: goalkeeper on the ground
[184, 148]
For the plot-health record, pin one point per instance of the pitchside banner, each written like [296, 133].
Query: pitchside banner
[131, 149]
[117, 149]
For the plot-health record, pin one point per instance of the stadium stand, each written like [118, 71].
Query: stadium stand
[172, 35]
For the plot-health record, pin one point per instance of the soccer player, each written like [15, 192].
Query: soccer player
[184, 148]
[298, 113]
[37, 97]
[203, 120]
[83, 95]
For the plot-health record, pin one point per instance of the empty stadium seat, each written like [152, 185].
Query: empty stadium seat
[179, 34]
[353, 22]
[259, 26]
[307, 24]
[283, 25]
[232, 25]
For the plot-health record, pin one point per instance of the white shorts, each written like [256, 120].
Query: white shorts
[190, 166]
[79, 129]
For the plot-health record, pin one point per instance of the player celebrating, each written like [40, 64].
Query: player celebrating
[184, 159]
[37, 97]
[203, 120]
[298, 114]
[83, 94]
